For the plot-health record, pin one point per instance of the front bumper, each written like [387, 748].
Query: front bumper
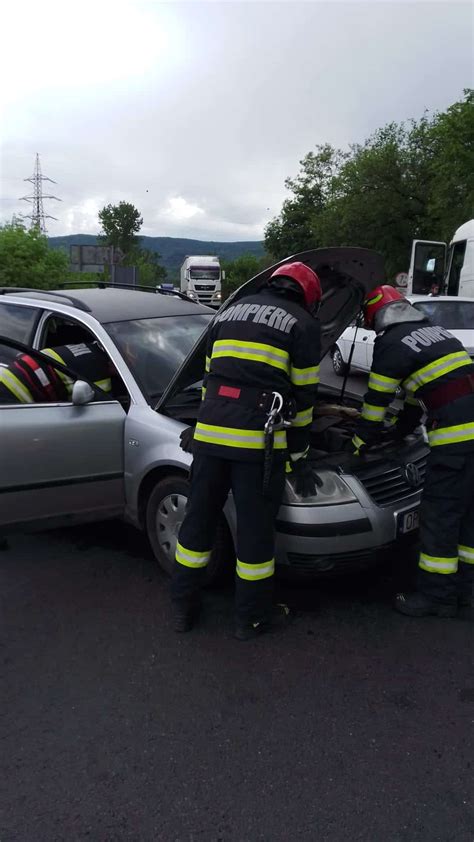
[316, 540]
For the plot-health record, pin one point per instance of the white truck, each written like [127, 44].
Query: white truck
[451, 270]
[201, 279]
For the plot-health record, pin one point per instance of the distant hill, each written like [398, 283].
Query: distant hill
[173, 250]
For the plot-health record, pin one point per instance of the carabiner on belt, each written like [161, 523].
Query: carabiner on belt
[275, 417]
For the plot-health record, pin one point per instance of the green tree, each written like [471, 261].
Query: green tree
[409, 180]
[293, 231]
[240, 270]
[120, 226]
[26, 260]
[150, 272]
[451, 198]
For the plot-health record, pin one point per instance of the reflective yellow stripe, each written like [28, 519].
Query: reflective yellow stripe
[436, 369]
[466, 554]
[303, 418]
[233, 437]
[15, 386]
[203, 392]
[381, 383]
[373, 300]
[105, 385]
[411, 400]
[190, 558]
[68, 381]
[438, 564]
[357, 442]
[451, 435]
[304, 376]
[255, 351]
[54, 354]
[208, 363]
[373, 413]
[255, 572]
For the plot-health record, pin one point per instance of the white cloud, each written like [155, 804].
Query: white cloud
[196, 112]
[180, 210]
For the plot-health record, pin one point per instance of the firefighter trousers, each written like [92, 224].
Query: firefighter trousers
[212, 479]
[446, 564]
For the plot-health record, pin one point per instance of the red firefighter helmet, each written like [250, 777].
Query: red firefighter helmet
[305, 277]
[378, 298]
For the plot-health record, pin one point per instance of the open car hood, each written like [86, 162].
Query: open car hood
[346, 275]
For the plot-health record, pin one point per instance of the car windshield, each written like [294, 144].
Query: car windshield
[453, 315]
[155, 348]
[205, 273]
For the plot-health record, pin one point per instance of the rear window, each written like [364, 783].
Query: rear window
[453, 315]
[154, 349]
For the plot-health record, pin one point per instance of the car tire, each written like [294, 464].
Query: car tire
[164, 515]
[340, 367]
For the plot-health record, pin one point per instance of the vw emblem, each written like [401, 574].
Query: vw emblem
[412, 475]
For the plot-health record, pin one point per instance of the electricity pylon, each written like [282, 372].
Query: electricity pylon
[38, 216]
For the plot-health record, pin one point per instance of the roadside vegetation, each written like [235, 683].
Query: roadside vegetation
[407, 180]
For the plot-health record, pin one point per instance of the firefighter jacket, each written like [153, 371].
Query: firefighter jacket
[421, 358]
[265, 342]
[31, 380]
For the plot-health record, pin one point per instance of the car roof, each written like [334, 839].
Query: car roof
[116, 305]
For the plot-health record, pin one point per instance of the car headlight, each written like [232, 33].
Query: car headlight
[191, 294]
[217, 296]
[333, 491]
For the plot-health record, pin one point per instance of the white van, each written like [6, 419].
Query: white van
[451, 270]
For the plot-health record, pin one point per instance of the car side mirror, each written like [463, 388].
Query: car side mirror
[82, 393]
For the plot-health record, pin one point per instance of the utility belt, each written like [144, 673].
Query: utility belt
[279, 409]
[252, 397]
[448, 392]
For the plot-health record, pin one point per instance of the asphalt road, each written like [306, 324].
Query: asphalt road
[356, 383]
[353, 724]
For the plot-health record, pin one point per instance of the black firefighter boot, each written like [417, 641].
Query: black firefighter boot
[185, 616]
[276, 619]
[435, 596]
[418, 604]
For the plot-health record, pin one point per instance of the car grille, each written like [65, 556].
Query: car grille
[388, 487]
[314, 566]
[204, 287]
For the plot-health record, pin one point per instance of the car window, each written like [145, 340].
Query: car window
[61, 331]
[155, 348]
[453, 315]
[16, 322]
[28, 379]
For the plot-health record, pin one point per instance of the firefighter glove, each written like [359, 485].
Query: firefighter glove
[186, 440]
[306, 480]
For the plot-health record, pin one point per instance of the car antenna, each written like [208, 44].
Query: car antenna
[351, 354]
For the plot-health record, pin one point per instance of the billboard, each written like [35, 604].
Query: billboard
[90, 258]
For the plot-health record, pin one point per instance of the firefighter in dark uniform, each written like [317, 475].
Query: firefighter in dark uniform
[267, 342]
[29, 379]
[437, 375]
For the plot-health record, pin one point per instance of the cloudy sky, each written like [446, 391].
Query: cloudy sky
[196, 112]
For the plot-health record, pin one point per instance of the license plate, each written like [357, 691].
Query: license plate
[408, 521]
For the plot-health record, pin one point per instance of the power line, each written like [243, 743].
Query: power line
[38, 216]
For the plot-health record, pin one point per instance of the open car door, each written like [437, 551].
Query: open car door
[427, 266]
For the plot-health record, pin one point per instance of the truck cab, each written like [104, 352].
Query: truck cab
[201, 279]
[451, 269]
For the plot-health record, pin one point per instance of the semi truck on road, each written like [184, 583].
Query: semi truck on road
[201, 279]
